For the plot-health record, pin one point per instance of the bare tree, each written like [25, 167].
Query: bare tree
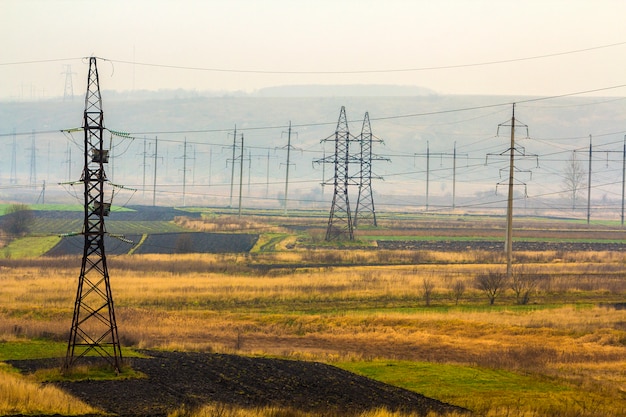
[492, 283]
[458, 288]
[574, 179]
[427, 290]
[523, 283]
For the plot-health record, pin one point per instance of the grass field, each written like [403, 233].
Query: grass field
[561, 354]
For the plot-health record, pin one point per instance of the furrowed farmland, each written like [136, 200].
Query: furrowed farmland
[258, 315]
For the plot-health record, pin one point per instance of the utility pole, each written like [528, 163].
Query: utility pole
[33, 161]
[184, 169]
[210, 164]
[428, 154]
[288, 164]
[508, 244]
[623, 177]
[154, 178]
[232, 171]
[184, 158]
[509, 206]
[144, 165]
[267, 175]
[42, 195]
[13, 178]
[240, 176]
[94, 328]
[249, 169]
[589, 184]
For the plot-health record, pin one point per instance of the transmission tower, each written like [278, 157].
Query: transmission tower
[68, 91]
[13, 178]
[365, 211]
[94, 329]
[340, 219]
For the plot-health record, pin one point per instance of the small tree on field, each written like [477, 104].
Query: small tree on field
[427, 290]
[458, 288]
[492, 283]
[573, 179]
[17, 220]
[523, 283]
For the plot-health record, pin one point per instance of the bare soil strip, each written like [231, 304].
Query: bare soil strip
[177, 379]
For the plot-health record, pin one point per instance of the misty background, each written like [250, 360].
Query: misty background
[186, 138]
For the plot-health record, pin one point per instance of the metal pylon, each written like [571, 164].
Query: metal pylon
[365, 212]
[94, 329]
[340, 219]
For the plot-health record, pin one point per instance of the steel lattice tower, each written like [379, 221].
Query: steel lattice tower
[94, 329]
[365, 212]
[340, 219]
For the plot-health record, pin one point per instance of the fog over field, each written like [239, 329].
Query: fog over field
[416, 134]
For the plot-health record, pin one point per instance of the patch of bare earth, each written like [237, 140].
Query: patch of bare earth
[176, 379]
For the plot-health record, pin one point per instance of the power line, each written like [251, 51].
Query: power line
[316, 124]
[367, 71]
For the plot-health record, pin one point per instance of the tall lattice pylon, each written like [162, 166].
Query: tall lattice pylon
[94, 329]
[340, 218]
[365, 212]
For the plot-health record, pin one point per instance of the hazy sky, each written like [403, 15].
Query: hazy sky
[319, 42]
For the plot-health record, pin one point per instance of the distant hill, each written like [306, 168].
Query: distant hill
[419, 132]
[355, 90]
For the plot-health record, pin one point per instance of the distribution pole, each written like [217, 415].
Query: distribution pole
[428, 154]
[13, 178]
[232, 171]
[143, 183]
[454, 177]
[287, 169]
[94, 328]
[240, 175]
[589, 184]
[69, 162]
[184, 169]
[509, 207]
[33, 161]
[210, 164]
[512, 150]
[154, 179]
[623, 177]
[267, 175]
[427, 171]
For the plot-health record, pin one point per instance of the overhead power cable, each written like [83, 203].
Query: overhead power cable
[368, 71]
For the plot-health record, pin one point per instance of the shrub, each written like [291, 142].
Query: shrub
[17, 220]
[492, 283]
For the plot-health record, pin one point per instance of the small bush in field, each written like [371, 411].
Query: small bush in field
[492, 283]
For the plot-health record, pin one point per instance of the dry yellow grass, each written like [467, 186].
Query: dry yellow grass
[19, 395]
[217, 303]
[222, 410]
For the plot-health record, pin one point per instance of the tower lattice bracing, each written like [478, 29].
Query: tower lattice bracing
[365, 213]
[340, 219]
[94, 329]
